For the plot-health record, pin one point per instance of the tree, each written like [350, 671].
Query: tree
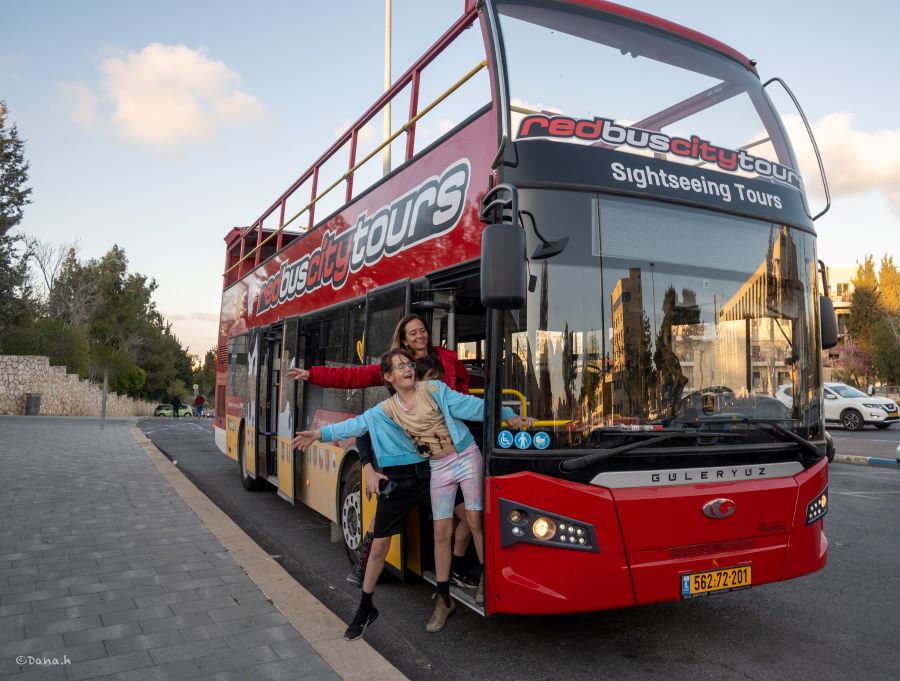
[889, 285]
[130, 341]
[48, 259]
[64, 344]
[865, 310]
[854, 365]
[886, 349]
[205, 376]
[14, 196]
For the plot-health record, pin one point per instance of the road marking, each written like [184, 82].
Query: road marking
[866, 495]
[853, 439]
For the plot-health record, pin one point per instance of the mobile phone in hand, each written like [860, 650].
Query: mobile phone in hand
[385, 486]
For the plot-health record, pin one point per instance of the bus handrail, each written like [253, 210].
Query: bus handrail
[403, 128]
[544, 423]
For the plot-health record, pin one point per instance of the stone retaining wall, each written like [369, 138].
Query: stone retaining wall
[62, 394]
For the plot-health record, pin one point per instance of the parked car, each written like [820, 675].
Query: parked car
[854, 410]
[166, 410]
[209, 413]
[785, 394]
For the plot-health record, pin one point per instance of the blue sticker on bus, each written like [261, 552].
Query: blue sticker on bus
[504, 439]
[541, 440]
[523, 439]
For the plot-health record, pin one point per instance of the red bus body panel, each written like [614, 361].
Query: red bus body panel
[648, 537]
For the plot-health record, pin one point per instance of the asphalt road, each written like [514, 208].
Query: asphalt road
[867, 442]
[841, 623]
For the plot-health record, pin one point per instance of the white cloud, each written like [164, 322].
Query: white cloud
[445, 125]
[855, 160]
[82, 103]
[366, 133]
[166, 95]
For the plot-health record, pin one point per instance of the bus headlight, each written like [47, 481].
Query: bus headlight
[525, 524]
[543, 529]
[817, 508]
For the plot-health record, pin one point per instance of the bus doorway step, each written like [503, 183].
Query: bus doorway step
[464, 596]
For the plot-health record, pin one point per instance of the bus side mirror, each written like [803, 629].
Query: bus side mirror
[503, 267]
[828, 322]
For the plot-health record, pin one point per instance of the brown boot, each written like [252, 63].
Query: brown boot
[440, 614]
[479, 595]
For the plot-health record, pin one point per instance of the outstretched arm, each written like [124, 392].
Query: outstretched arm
[297, 374]
[305, 438]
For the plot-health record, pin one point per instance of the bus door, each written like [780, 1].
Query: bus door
[324, 342]
[287, 408]
[247, 448]
[268, 382]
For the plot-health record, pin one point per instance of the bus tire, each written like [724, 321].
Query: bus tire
[250, 484]
[351, 511]
[852, 420]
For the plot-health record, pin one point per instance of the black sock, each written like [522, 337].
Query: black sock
[443, 590]
[366, 602]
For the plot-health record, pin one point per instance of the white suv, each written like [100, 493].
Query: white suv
[853, 409]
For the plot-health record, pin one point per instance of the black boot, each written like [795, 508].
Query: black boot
[359, 569]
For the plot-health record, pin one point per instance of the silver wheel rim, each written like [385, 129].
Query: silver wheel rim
[851, 420]
[351, 513]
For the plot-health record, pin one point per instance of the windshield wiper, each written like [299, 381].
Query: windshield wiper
[774, 424]
[580, 462]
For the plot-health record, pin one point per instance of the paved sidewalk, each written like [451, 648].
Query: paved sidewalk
[107, 573]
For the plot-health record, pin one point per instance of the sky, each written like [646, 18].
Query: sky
[160, 126]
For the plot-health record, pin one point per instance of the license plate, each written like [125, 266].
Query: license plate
[715, 581]
[892, 414]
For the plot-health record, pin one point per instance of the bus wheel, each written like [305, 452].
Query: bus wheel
[351, 511]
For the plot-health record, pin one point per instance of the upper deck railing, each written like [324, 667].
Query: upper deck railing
[251, 245]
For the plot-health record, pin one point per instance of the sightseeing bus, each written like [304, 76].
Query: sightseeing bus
[602, 213]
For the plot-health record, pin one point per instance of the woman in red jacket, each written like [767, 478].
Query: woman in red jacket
[410, 334]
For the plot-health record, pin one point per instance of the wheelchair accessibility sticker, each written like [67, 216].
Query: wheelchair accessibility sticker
[504, 439]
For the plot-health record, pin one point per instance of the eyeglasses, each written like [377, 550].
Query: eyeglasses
[405, 365]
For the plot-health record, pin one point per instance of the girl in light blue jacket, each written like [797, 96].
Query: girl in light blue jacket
[424, 419]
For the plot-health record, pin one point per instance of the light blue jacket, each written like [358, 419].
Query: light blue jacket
[393, 446]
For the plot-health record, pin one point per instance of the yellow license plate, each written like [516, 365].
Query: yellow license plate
[715, 581]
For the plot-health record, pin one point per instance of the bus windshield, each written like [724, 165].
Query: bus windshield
[583, 65]
[661, 316]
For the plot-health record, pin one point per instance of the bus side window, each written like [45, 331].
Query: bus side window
[383, 310]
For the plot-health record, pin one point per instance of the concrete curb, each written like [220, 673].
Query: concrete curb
[866, 460]
[321, 628]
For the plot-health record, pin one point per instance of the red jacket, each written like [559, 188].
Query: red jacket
[369, 375]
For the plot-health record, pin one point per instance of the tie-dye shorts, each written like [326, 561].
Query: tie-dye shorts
[464, 469]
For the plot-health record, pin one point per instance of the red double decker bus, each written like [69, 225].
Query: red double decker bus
[602, 213]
